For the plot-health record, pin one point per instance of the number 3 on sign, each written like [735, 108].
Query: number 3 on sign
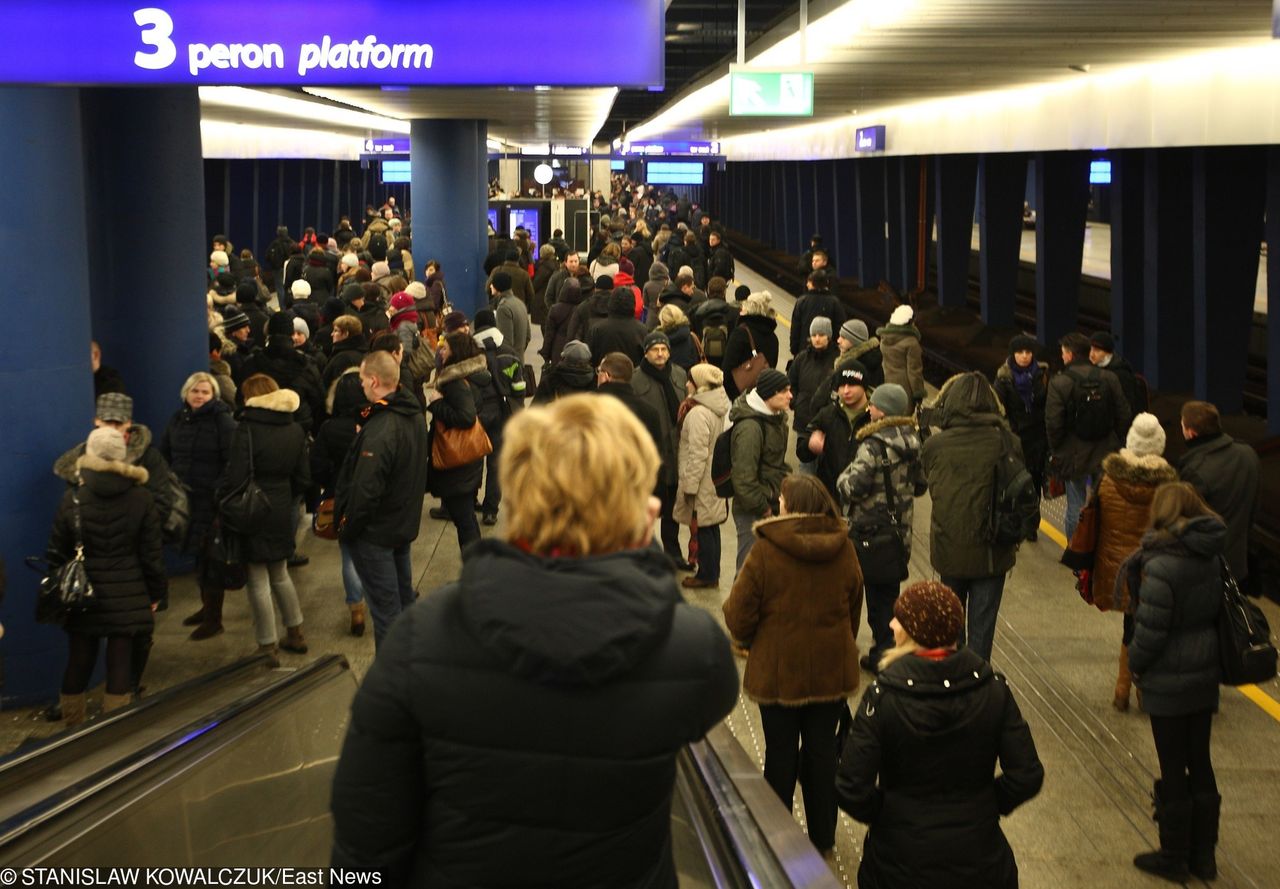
[157, 28]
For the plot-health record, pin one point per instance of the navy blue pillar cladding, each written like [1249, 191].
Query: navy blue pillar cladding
[1062, 205]
[842, 241]
[871, 244]
[1002, 186]
[44, 362]
[905, 228]
[827, 222]
[1273, 289]
[1167, 269]
[955, 178]
[1226, 220]
[151, 323]
[894, 248]
[1127, 244]
[450, 165]
[807, 220]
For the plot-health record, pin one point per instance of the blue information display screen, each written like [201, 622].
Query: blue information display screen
[528, 217]
[395, 171]
[673, 173]
[493, 218]
[293, 42]
[1100, 172]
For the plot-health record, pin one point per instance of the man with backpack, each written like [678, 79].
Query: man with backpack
[1102, 353]
[1086, 417]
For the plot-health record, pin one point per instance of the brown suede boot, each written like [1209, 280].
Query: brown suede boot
[211, 614]
[1123, 682]
[73, 709]
[272, 652]
[293, 640]
[112, 702]
[357, 618]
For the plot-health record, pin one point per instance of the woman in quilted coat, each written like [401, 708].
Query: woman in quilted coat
[701, 423]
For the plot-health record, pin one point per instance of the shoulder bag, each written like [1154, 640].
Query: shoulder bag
[452, 447]
[746, 373]
[247, 506]
[66, 588]
[1244, 639]
[881, 546]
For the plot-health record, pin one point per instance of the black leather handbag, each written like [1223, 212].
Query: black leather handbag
[246, 506]
[66, 588]
[881, 545]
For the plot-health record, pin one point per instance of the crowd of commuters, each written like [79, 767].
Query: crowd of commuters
[343, 384]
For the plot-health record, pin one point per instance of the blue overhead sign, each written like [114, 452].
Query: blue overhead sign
[869, 139]
[294, 42]
[663, 149]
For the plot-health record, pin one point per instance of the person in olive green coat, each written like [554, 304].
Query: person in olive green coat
[959, 463]
[758, 449]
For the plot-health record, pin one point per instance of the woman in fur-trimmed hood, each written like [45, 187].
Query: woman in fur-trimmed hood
[1129, 482]
[120, 529]
[453, 399]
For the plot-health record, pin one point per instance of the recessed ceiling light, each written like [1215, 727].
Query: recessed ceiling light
[1083, 69]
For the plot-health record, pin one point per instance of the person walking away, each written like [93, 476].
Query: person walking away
[756, 332]
[510, 315]
[270, 450]
[112, 515]
[196, 443]
[378, 495]
[697, 503]
[1085, 417]
[1175, 663]
[573, 373]
[758, 448]
[661, 385]
[816, 301]
[930, 728]
[453, 399]
[864, 488]
[509, 645]
[901, 353]
[1023, 386]
[1225, 473]
[795, 607]
[809, 374]
[959, 463]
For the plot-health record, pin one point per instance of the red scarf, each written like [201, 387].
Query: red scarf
[934, 654]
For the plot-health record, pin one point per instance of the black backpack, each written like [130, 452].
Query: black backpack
[722, 461]
[1015, 499]
[1089, 414]
[715, 340]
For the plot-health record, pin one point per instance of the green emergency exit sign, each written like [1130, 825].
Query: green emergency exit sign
[770, 94]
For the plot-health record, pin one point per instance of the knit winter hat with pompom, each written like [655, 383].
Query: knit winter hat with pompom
[1146, 437]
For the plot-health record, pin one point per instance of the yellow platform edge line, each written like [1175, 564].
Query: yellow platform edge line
[1053, 533]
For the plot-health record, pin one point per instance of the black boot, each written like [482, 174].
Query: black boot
[1205, 808]
[212, 624]
[1170, 863]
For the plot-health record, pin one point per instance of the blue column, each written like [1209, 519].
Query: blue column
[1126, 254]
[449, 163]
[1002, 185]
[1226, 234]
[1167, 303]
[142, 178]
[844, 238]
[895, 217]
[44, 363]
[954, 179]
[1062, 204]
[871, 252]
[1273, 288]
[905, 228]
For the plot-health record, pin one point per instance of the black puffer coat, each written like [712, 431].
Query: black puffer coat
[197, 444]
[458, 409]
[280, 467]
[435, 788]
[564, 378]
[918, 768]
[120, 528]
[1174, 652]
[738, 350]
[346, 400]
[344, 355]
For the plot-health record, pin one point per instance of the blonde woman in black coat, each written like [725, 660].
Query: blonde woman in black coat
[120, 530]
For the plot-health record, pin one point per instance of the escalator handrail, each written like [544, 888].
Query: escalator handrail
[298, 681]
[145, 705]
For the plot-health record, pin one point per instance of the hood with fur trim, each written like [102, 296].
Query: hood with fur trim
[87, 463]
[460, 370]
[284, 401]
[885, 423]
[1126, 467]
[139, 440]
[863, 348]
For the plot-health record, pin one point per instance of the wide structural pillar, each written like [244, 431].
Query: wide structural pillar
[905, 214]
[1273, 288]
[449, 169]
[871, 245]
[1002, 186]
[954, 178]
[1167, 302]
[1062, 206]
[1127, 244]
[145, 156]
[1226, 234]
[44, 364]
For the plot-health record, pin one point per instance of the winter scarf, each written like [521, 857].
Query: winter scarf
[1022, 380]
[663, 379]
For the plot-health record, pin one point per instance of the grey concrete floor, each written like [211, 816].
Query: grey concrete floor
[1059, 654]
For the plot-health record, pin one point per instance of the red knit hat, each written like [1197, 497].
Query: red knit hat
[402, 300]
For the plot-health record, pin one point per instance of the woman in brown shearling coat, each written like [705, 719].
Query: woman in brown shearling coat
[1129, 481]
[795, 605]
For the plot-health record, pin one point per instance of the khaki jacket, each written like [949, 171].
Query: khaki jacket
[695, 490]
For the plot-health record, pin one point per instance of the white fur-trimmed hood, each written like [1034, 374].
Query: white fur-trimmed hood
[115, 467]
[286, 401]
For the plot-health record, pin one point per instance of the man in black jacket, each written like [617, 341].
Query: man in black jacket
[816, 301]
[378, 497]
[620, 332]
[613, 377]
[1102, 353]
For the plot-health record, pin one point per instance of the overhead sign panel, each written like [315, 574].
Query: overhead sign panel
[869, 138]
[291, 42]
[770, 94]
[651, 149]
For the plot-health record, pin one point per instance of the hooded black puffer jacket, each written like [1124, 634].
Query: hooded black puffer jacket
[197, 444]
[435, 788]
[120, 528]
[462, 385]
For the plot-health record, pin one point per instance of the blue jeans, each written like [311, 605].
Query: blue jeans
[351, 584]
[388, 582]
[742, 522]
[980, 597]
[880, 598]
[708, 553]
[1077, 493]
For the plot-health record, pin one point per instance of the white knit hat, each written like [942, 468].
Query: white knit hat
[1146, 438]
[300, 326]
[350, 260]
[902, 315]
[416, 289]
[219, 258]
[106, 443]
[300, 289]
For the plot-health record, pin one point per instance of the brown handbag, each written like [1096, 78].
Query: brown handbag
[451, 448]
[746, 373]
